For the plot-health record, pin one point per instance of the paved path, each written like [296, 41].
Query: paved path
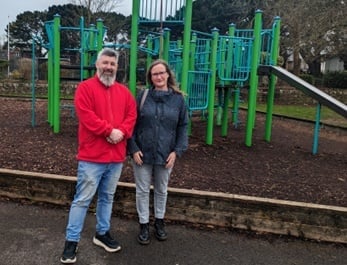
[34, 235]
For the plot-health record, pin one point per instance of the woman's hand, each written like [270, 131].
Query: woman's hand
[137, 156]
[170, 161]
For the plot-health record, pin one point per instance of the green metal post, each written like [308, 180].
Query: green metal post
[161, 45]
[56, 74]
[166, 48]
[191, 68]
[222, 57]
[236, 103]
[178, 66]
[220, 89]
[227, 92]
[236, 98]
[82, 49]
[231, 33]
[100, 37]
[224, 129]
[133, 46]
[252, 97]
[192, 52]
[219, 106]
[273, 78]
[92, 49]
[186, 43]
[149, 57]
[213, 68]
[207, 54]
[50, 83]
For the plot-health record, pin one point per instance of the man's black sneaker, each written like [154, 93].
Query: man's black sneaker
[69, 253]
[107, 242]
[159, 227]
[143, 237]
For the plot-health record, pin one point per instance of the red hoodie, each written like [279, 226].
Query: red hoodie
[99, 110]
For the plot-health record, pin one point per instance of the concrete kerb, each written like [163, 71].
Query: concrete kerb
[306, 220]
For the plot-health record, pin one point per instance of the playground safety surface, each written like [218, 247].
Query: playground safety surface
[285, 168]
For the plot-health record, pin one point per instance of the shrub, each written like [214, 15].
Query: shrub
[335, 79]
[15, 74]
[3, 68]
[24, 68]
[308, 78]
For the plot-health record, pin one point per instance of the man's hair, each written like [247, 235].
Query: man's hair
[108, 52]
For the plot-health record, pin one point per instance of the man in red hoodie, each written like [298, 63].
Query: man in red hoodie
[106, 112]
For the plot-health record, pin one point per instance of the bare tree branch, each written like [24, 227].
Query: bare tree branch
[96, 6]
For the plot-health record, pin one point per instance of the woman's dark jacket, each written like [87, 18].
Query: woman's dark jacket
[161, 126]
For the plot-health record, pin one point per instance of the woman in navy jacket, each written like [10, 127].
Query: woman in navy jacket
[160, 136]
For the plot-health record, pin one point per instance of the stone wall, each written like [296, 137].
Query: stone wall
[24, 88]
[210, 209]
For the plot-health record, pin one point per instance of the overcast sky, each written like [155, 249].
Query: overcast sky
[9, 9]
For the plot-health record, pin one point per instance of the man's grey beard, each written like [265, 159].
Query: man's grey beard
[106, 79]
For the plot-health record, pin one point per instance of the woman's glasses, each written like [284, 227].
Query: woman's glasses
[158, 74]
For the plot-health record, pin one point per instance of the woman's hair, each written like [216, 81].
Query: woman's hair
[171, 81]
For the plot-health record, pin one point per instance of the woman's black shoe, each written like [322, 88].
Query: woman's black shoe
[143, 237]
[159, 227]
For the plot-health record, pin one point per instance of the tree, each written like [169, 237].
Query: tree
[29, 24]
[220, 13]
[70, 17]
[310, 27]
[26, 25]
[115, 23]
[97, 6]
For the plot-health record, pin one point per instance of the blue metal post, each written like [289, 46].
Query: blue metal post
[33, 96]
[316, 130]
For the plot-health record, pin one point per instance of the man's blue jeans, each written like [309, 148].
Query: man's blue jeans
[91, 178]
[143, 179]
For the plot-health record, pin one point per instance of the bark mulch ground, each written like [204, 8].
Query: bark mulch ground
[285, 168]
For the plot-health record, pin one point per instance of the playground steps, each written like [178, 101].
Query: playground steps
[75, 68]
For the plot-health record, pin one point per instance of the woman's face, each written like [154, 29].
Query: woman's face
[159, 77]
